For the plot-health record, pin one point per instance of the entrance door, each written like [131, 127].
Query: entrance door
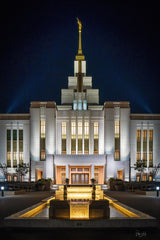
[86, 178]
[79, 178]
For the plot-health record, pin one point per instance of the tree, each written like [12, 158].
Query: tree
[22, 170]
[140, 166]
[4, 169]
[154, 171]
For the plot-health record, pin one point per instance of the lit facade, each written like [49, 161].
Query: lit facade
[80, 139]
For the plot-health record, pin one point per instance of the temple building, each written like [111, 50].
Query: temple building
[80, 139]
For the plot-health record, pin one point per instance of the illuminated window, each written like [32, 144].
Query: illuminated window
[42, 140]
[116, 129]
[96, 137]
[145, 159]
[14, 148]
[116, 155]
[21, 147]
[15, 178]
[138, 135]
[80, 169]
[9, 177]
[21, 158]
[151, 135]
[42, 155]
[8, 159]
[151, 148]
[145, 147]
[73, 169]
[144, 135]
[117, 139]
[150, 177]
[145, 141]
[138, 177]
[150, 159]
[120, 174]
[9, 156]
[14, 159]
[43, 129]
[138, 144]
[39, 174]
[138, 156]
[80, 137]
[144, 177]
[86, 137]
[63, 137]
[73, 137]
[8, 148]
[86, 169]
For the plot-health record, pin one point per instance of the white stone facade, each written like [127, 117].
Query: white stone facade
[80, 107]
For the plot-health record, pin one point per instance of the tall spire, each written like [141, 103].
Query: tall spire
[79, 56]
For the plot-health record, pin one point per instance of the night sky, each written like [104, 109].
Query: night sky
[39, 41]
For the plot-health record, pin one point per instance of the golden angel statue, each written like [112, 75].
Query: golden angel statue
[79, 24]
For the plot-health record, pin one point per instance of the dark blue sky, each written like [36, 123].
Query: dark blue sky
[39, 41]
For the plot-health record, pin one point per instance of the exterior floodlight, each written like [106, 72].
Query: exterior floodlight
[157, 188]
[2, 190]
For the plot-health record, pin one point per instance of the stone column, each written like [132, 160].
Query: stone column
[67, 171]
[17, 143]
[142, 141]
[11, 146]
[147, 145]
[68, 130]
[92, 171]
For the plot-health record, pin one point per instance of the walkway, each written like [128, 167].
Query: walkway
[146, 204]
[10, 204]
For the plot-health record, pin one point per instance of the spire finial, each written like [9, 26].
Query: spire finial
[80, 30]
[79, 56]
[79, 24]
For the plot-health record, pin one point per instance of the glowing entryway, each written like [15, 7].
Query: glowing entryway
[80, 175]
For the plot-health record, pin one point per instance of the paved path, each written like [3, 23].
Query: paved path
[10, 204]
[146, 204]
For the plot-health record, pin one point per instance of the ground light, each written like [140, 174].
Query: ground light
[157, 189]
[2, 190]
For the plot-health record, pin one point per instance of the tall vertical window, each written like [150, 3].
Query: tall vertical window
[86, 137]
[84, 104]
[15, 148]
[20, 147]
[73, 137]
[79, 104]
[8, 148]
[74, 104]
[80, 137]
[42, 140]
[151, 148]
[117, 139]
[145, 147]
[138, 145]
[63, 137]
[96, 137]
